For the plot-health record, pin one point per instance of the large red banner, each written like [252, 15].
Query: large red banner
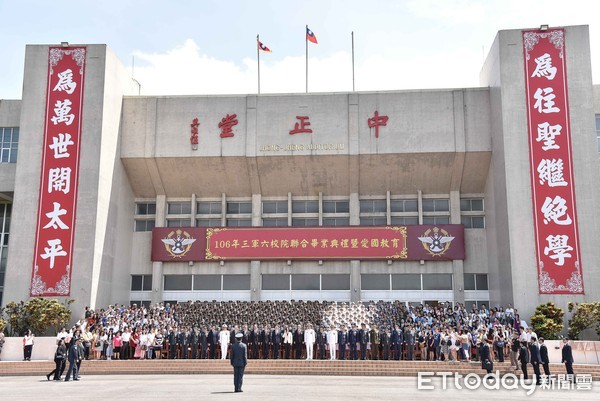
[53, 254]
[554, 212]
[443, 242]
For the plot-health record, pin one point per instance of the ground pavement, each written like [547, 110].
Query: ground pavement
[261, 387]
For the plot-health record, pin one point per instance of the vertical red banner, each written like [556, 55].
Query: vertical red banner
[53, 254]
[554, 212]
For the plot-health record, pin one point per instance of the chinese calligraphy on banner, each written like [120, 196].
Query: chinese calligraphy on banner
[53, 252]
[555, 216]
[443, 242]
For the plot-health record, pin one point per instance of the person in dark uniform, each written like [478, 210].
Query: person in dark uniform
[375, 341]
[182, 342]
[544, 357]
[486, 359]
[239, 360]
[194, 342]
[524, 358]
[264, 340]
[321, 341]
[567, 356]
[172, 339]
[363, 339]
[342, 340]
[298, 341]
[386, 343]
[73, 359]
[534, 353]
[255, 341]
[352, 341]
[203, 343]
[409, 339]
[59, 359]
[212, 339]
[276, 341]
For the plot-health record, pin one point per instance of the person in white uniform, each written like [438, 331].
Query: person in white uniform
[309, 341]
[224, 341]
[332, 338]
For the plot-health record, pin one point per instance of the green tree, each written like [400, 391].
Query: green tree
[37, 314]
[547, 321]
[587, 315]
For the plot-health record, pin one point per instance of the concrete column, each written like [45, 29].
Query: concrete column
[223, 210]
[256, 210]
[157, 267]
[255, 281]
[458, 277]
[354, 209]
[355, 280]
[420, 205]
[194, 207]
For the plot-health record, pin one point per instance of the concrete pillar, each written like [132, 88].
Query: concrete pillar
[255, 281]
[355, 280]
[157, 267]
[458, 277]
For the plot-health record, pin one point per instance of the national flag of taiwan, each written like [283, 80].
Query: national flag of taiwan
[310, 36]
[263, 47]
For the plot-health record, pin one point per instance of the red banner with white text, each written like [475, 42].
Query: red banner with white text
[554, 212]
[53, 254]
[443, 242]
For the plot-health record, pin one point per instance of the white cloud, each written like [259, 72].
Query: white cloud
[184, 70]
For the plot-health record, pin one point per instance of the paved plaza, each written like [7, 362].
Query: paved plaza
[259, 387]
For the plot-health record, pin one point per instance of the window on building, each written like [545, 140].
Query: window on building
[403, 221]
[373, 221]
[469, 279]
[436, 205]
[379, 282]
[471, 205]
[472, 213]
[5, 218]
[144, 225]
[207, 282]
[179, 208]
[373, 206]
[305, 206]
[275, 222]
[208, 208]
[306, 282]
[145, 209]
[141, 282]
[275, 207]
[335, 282]
[473, 221]
[336, 221]
[481, 282]
[239, 222]
[436, 220]
[9, 144]
[305, 222]
[178, 222]
[275, 281]
[406, 282]
[239, 207]
[178, 282]
[437, 281]
[236, 282]
[404, 206]
[208, 222]
[331, 206]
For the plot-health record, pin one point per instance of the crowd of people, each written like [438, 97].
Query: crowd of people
[280, 329]
[302, 330]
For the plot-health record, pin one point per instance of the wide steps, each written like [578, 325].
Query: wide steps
[275, 367]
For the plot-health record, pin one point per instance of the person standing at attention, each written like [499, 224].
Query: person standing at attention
[309, 341]
[224, 341]
[239, 360]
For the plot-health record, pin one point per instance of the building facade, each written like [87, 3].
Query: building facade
[397, 158]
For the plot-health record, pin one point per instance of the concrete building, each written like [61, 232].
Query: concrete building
[447, 156]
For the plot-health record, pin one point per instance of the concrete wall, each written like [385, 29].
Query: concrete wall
[512, 252]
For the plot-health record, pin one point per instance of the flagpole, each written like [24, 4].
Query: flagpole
[306, 42]
[352, 61]
[258, 61]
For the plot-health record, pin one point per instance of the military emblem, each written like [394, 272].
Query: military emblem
[436, 241]
[178, 243]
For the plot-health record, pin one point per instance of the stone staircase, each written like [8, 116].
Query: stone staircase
[275, 367]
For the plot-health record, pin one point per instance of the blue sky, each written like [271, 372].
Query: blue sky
[209, 47]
